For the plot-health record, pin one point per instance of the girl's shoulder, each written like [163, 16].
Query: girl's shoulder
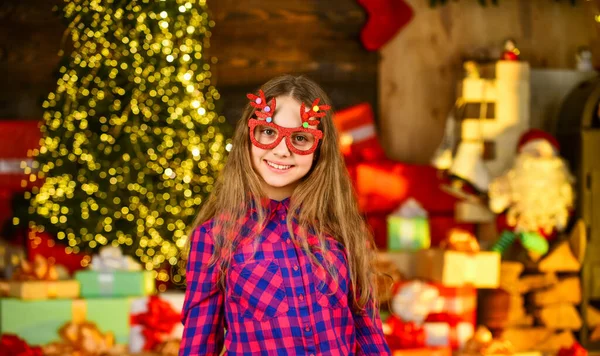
[204, 228]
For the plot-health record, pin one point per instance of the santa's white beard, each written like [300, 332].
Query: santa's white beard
[537, 191]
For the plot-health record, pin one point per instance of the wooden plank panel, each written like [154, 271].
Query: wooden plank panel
[316, 38]
[421, 66]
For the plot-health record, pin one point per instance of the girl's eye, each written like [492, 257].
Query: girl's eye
[268, 132]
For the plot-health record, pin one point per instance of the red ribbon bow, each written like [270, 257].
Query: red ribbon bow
[12, 345]
[405, 335]
[158, 321]
[575, 350]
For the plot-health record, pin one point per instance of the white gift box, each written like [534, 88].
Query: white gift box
[439, 334]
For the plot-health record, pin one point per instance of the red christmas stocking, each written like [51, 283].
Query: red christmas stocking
[386, 18]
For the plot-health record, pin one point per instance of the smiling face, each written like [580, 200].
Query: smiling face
[280, 169]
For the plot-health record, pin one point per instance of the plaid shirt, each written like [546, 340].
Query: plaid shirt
[276, 302]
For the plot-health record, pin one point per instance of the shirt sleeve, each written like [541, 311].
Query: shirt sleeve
[202, 314]
[369, 332]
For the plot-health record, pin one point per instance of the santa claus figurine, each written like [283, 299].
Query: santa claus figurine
[537, 192]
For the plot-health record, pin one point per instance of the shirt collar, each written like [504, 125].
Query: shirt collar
[271, 205]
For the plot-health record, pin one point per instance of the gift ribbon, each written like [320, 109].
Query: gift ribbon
[52, 290]
[13, 345]
[575, 350]
[469, 270]
[405, 335]
[78, 311]
[157, 322]
[107, 283]
[40, 270]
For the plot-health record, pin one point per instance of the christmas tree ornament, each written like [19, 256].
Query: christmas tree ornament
[385, 19]
[511, 52]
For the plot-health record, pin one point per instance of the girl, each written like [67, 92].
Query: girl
[280, 257]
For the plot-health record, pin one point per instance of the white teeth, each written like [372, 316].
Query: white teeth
[277, 165]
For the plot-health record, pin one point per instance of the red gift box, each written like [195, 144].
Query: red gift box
[454, 318]
[452, 315]
[383, 185]
[357, 134]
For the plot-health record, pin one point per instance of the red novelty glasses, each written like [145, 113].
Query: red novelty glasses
[266, 134]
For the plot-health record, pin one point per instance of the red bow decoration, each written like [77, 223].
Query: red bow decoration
[575, 350]
[12, 345]
[405, 335]
[158, 321]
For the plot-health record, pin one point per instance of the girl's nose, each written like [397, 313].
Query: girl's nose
[282, 149]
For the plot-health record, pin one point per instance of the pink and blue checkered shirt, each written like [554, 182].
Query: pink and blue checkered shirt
[276, 302]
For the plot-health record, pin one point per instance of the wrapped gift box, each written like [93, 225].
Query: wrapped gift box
[455, 269]
[408, 233]
[357, 134]
[141, 316]
[408, 227]
[109, 314]
[115, 283]
[448, 313]
[35, 290]
[38, 322]
[405, 261]
[383, 185]
[445, 334]
[35, 321]
[458, 303]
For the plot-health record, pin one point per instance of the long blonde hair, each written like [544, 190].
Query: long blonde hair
[325, 195]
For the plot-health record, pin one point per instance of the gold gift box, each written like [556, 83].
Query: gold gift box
[456, 269]
[37, 290]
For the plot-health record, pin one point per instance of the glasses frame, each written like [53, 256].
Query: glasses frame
[284, 132]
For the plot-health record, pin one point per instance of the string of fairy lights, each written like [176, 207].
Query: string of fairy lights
[131, 141]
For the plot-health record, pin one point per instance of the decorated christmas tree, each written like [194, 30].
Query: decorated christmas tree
[131, 141]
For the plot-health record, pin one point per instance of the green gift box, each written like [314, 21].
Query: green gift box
[408, 228]
[115, 283]
[38, 321]
[408, 233]
[109, 314]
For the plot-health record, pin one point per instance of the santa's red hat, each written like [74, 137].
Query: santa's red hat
[537, 134]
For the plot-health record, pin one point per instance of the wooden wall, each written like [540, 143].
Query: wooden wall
[411, 82]
[253, 41]
[422, 65]
[30, 36]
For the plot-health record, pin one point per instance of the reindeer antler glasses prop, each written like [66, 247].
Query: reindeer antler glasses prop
[266, 134]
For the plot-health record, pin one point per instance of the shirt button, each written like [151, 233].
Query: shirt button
[301, 297]
[295, 268]
[282, 217]
[312, 355]
[288, 240]
[307, 329]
